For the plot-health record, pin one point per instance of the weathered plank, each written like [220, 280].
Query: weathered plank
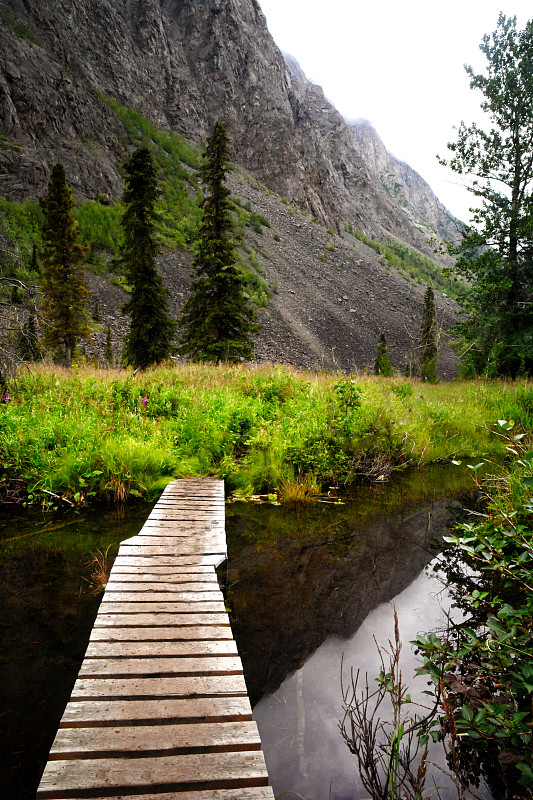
[249, 793]
[91, 713]
[176, 607]
[201, 686]
[157, 596]
[168, 665]
[160, 648]
[154, 620]
[203, 543]
[149, 740]
[202, 771]
[126, 558]
[176, 571]
[162, 586]
[180, 548]
[177, 633]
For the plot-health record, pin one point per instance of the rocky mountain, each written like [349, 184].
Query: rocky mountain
[183, 64]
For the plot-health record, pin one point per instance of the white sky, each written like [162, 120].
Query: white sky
[399, 64]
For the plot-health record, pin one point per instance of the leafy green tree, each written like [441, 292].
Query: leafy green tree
[64, 310]
[149, 339]
[496, 255]
[428, 341]
[382, 365]
[218, 320]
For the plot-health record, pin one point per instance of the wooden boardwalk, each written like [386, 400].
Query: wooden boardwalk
[160, 708]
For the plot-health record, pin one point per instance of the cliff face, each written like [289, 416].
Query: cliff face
[182, 63]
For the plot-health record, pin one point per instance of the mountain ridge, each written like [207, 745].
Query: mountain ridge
[184, 63]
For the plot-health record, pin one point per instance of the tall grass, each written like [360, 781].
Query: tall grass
[106, 434]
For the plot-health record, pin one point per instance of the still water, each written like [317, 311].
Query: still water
[305, 586]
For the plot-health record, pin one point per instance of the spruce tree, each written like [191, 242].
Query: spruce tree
[64, 309]
[96, 313]
[382, 365]
[428, 343]
[28, 340]
[218, 321]
[151, 330]
[108, 350]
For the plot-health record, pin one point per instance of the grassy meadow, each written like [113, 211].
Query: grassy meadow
[89, 434]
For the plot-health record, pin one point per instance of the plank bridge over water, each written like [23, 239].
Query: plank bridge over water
[160, 708]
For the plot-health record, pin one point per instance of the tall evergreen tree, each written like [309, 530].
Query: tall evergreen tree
[428, 339]
[149, 339]
[382, 365]
[64, 309]
[108, 350]
[218, 320]
[496, 255]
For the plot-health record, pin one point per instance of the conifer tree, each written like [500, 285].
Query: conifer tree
[218, 320]
[108, 350]
[28, 340]
[382, 365]
[64, 309]
[428, 343]
[96, 313]
[149, 339]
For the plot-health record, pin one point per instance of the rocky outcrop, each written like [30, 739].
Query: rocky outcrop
[182, 63]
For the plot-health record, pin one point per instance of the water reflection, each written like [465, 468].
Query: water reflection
[298, 723]
[46, 615]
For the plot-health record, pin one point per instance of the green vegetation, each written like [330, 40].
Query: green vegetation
[495, 254]
[382, 365]
[64, 311]
[428, 342]
[218, 320]
[151, 331]
[18, 29]
[97, 434]
[482, 670]
[413, 265]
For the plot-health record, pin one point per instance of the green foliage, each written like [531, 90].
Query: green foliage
[218, 321]
[496, 253]
[382, 365]
[485, 666]
[261, 428]
[428, 342]
[18, 29]
[414, 266]
[64, 309]
[108, 350]
[151, 329]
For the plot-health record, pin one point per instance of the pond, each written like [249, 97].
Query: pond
[311, 589]
[304, 585]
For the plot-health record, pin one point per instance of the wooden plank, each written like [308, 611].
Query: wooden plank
[178, 633]
[160, 648]
[97, 713]
[175, 607]
[147, 740]
[168, 665]
[196, 550]
[176, 571]
[248, 793]
[187, 549]
[175, 544]
[202, 686]
[155, 620]
[152, 595]
[126, 558]
[172, 532]
[163, 773]
[162, 586]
